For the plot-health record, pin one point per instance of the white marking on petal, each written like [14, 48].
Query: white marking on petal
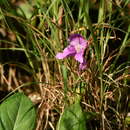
[78, 48]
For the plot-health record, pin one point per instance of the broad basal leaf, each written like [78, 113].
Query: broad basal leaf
[17, 113]
[72, 118]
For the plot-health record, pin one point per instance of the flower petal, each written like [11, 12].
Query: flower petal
[83, 42]
[79, 56]
[60, 56]
[83, 65]
[73, 36]
[68, 51]
[75, 39]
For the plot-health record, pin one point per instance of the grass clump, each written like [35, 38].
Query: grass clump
[33, 32]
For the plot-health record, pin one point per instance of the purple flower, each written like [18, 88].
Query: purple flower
[76, 48]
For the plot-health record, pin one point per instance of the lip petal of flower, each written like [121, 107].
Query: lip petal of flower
[79, 56]
[68, 51]
[76, 48]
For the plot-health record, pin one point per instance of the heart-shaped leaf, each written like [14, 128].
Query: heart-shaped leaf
[17, 113]
[72, 118]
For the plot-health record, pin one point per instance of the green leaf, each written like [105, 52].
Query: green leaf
[127, 119]
[17, 113]
[72, 118]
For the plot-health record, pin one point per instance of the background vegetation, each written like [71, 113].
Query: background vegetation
[33, 32]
